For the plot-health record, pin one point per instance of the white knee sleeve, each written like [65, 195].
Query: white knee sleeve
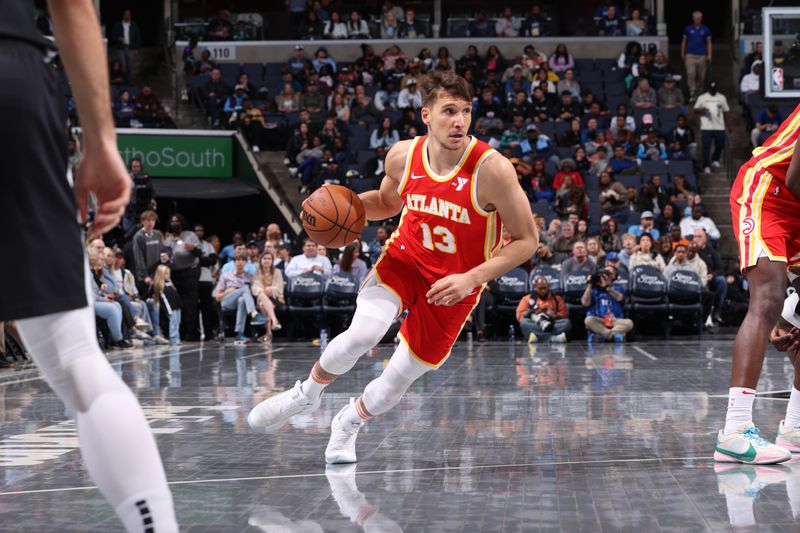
[384, 392]
[376, 308]
[64, 346]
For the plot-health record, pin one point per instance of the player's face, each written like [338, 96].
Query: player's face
[448, 120]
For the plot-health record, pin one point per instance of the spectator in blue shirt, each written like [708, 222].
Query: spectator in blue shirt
[767, 122]
[619, 164]
[696, 51]
[321, 58]
[652, 148]
[605, 319]
[646, 225]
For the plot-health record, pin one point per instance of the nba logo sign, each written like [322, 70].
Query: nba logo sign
[777, 79]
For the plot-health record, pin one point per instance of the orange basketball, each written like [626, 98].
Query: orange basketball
[333, 216]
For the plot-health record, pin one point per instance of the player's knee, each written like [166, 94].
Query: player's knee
[382, 394]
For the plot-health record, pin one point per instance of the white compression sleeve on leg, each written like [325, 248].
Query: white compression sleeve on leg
[789, 313]
[376, 308]
[117, 445]
[386, 390]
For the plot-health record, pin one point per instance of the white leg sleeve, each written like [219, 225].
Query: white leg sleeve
[385, 391]
[376, 308]
[117, 445]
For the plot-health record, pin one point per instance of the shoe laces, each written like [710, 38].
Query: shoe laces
[752, 434]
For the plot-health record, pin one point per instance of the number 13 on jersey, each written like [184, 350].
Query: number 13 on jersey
[445, 241]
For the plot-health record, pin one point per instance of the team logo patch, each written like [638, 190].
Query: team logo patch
[747, 226]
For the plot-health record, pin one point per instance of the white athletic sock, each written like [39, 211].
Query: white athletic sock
[314, 384]
[793, 409]
[353, 415]
[740, 408]
[120, 454]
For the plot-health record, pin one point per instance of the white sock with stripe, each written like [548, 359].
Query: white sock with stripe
[740, 408]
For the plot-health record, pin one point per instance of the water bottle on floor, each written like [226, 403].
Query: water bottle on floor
[323, 338]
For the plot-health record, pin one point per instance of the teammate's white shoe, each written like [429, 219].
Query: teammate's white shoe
[275, 411]
[561, 337]
[746, 446]
[788, 437]
[342, 444]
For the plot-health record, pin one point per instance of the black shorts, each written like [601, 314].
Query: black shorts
[41, 248]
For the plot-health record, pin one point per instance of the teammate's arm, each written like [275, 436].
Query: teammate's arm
[386, 201]
[793, 173]
[101, 171]
[498, 187]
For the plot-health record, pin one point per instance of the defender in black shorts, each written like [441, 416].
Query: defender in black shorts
[43, 273]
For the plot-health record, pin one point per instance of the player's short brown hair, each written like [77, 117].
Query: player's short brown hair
[444, 81]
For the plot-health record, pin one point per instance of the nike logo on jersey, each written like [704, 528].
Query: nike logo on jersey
[415, 177]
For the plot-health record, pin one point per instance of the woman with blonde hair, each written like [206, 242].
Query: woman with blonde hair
[166, 296]
[594, 248]
[268, 291]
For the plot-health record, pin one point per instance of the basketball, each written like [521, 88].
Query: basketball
[333, 216]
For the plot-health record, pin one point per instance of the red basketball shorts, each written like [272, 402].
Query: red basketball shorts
[429, 331]
[766, 218]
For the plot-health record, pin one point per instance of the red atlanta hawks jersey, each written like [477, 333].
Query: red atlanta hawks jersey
[776, 152]
[443, 229]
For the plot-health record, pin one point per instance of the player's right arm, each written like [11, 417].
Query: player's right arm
[793, 173]
[386, 201]
[101, 171]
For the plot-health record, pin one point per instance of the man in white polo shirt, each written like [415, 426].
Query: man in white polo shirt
[310, 261]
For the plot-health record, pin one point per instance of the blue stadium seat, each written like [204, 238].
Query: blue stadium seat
[605, 64]
[364, 156]
[254, 71]
[360, 185]
[542, 208]
[584, 65]
[629, 181]
[616, 88]
[591, 76]
[230, 73]
[274, 69]
[681, 167]
[667, 117]
[650, 168]
[614, 75]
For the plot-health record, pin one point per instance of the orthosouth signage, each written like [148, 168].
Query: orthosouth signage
[179, 156]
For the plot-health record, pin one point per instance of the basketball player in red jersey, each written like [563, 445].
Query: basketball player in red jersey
[765, 202]
[453, 191]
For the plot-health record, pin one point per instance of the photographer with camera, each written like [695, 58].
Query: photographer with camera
[605, 317]
[542, 315]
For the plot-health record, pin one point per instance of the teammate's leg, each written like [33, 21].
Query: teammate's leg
[379, 396]
[739, 441]
[116, 442]
[376, 308]
[767, 282]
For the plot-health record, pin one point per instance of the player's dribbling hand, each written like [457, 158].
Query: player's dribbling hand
[102, 173]
[450, 290]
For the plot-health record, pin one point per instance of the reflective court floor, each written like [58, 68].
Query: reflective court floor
[501, 438]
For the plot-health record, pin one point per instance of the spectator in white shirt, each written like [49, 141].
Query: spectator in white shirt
[697, 220]
[713, 110]
[309, 262]
[335, 28]
[410, 96]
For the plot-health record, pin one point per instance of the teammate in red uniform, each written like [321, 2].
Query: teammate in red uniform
[765, 202]
[453, 191]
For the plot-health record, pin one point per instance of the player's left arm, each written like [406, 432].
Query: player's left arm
[793, 173]
[498, 189]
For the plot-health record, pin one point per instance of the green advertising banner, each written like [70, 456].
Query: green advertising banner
[179, 156]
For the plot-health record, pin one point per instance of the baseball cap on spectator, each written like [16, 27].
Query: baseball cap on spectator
[411, 81]
[239, 87]
[250, 244]
[567, 161]
[532, 127]
[604, 219]
[669, 78]
[517, 67]
[298, 47]
[647, 118]
[646, 214]
[612, 256]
